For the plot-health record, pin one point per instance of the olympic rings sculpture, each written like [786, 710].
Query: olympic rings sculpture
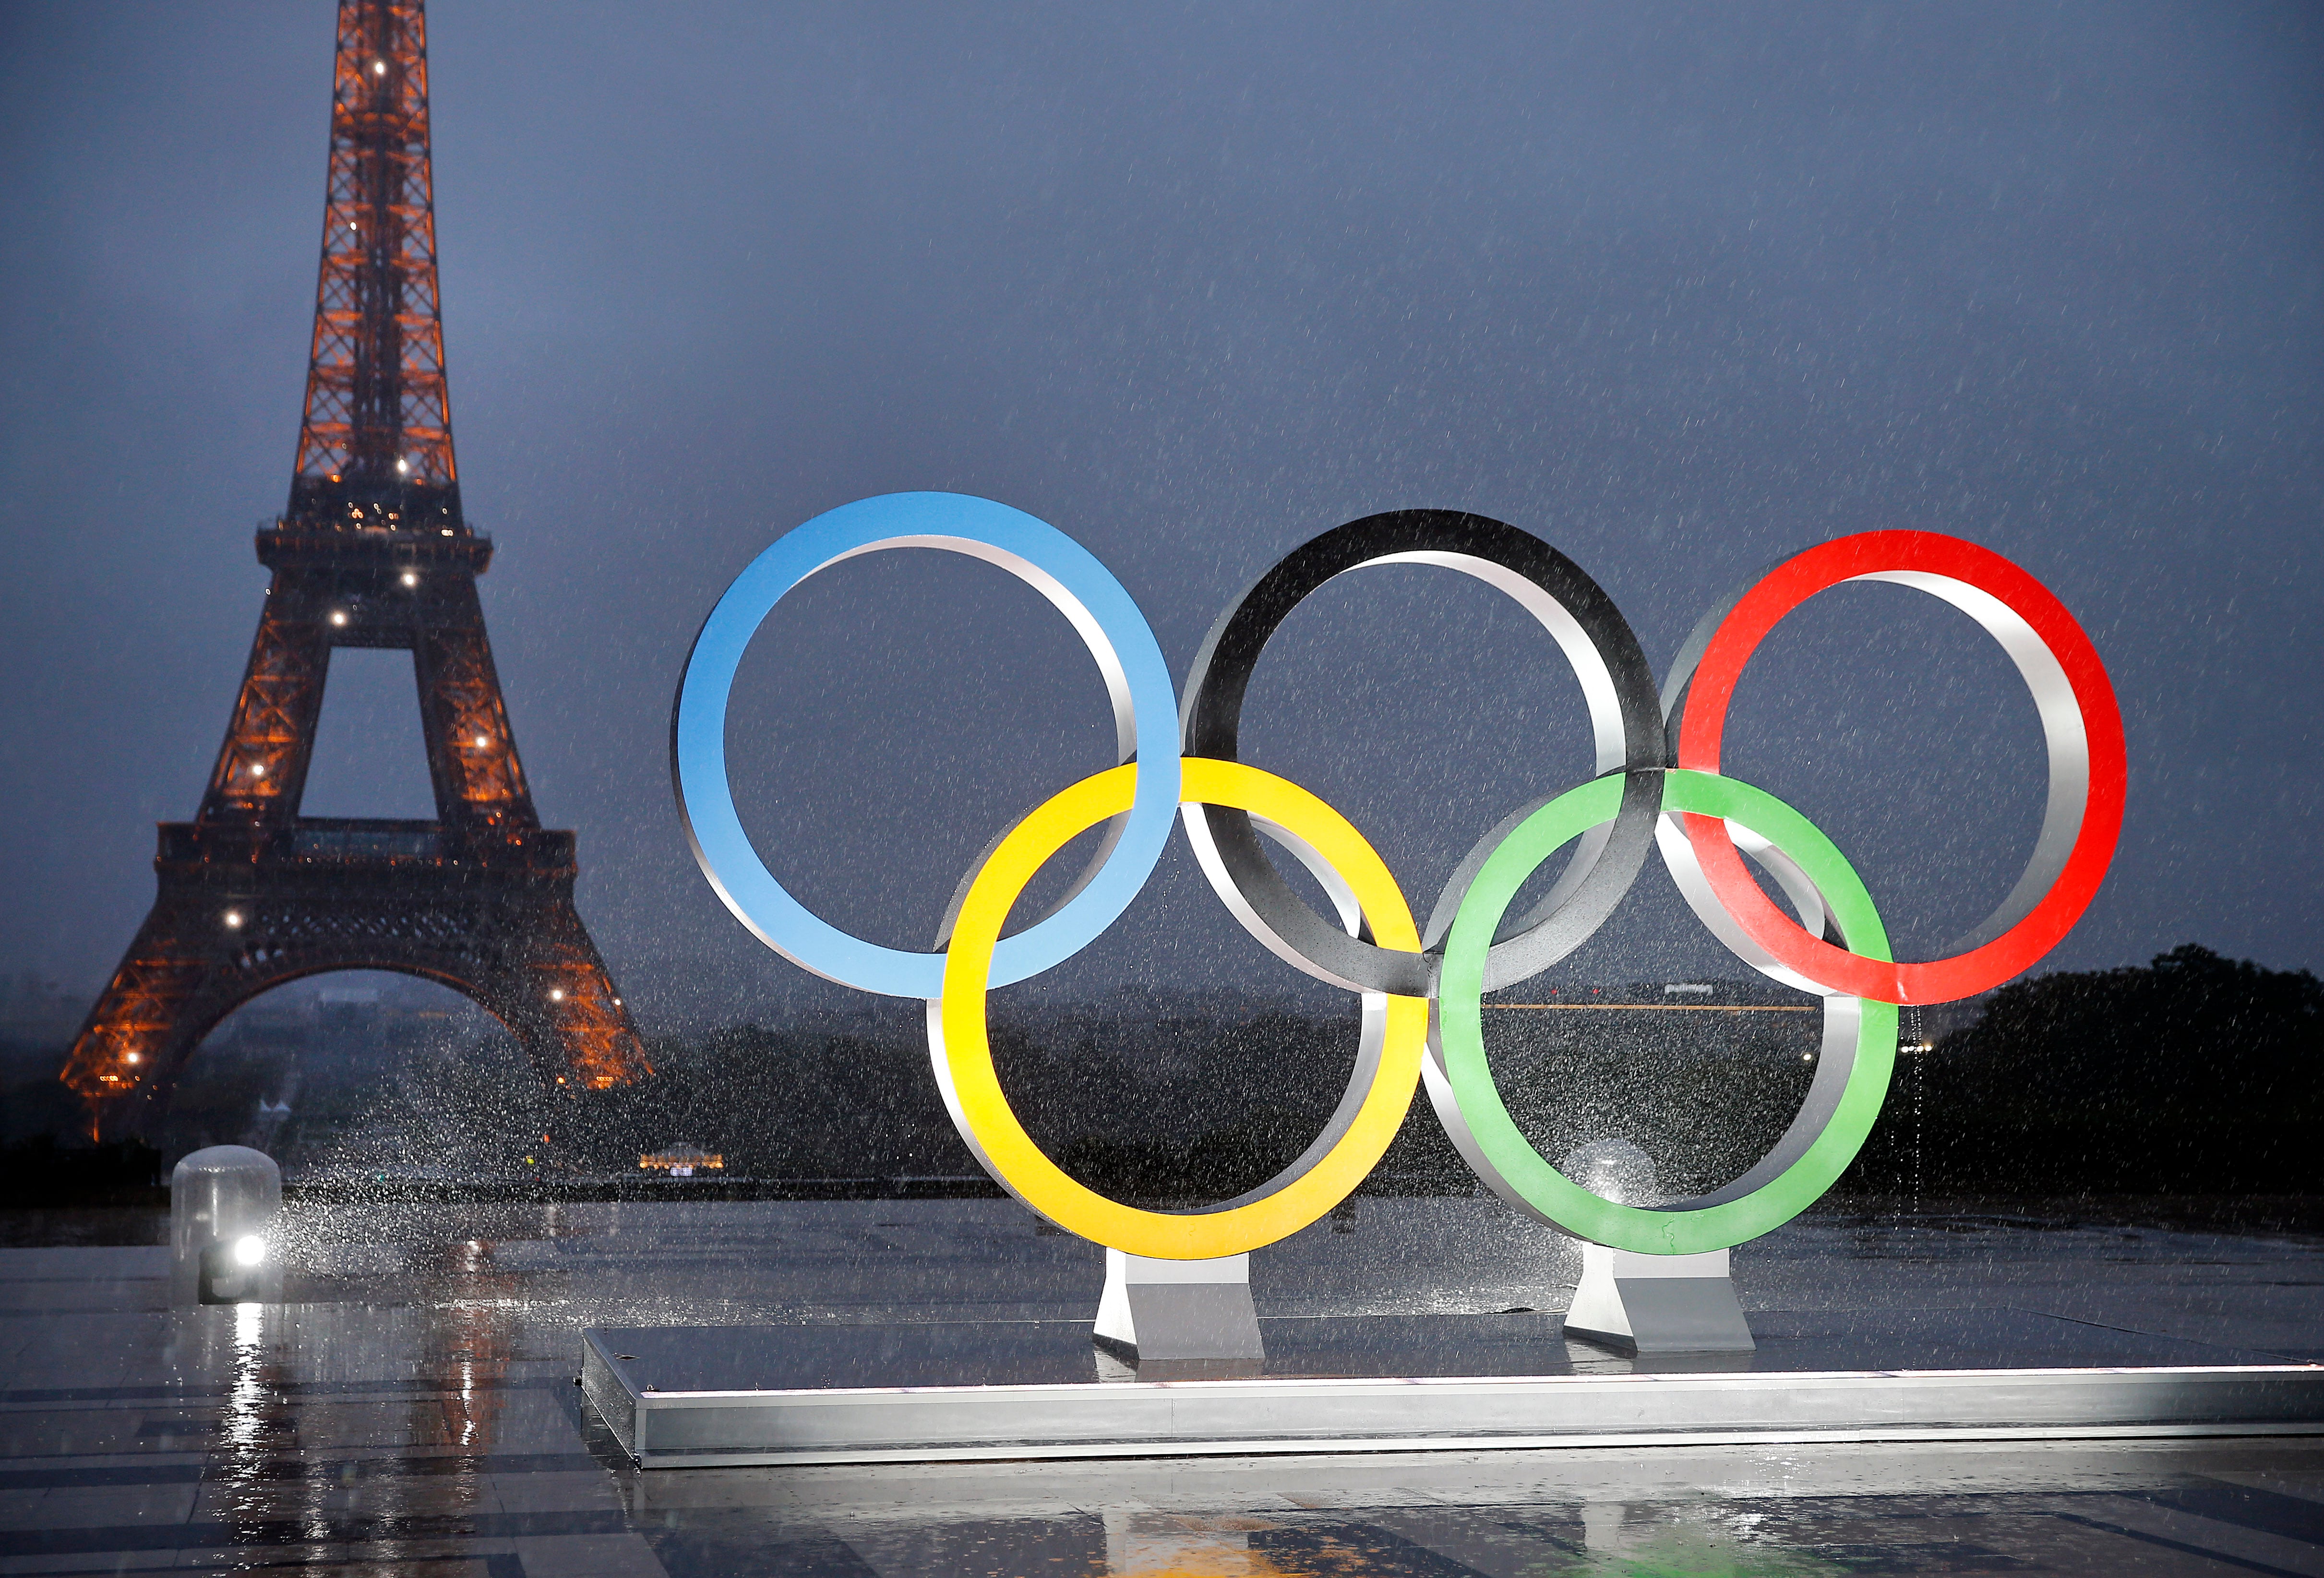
[1658, 787]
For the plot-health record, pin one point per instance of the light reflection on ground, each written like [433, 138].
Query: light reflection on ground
[413, 1408]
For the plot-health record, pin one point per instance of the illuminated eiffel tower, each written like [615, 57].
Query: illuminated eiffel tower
[372, 551]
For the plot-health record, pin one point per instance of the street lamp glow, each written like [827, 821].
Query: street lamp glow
[338, 616]
[249, 1249]
[411, 578]
[557, 995]
[232, 918]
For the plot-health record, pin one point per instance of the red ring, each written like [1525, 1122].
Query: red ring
[1704, 716]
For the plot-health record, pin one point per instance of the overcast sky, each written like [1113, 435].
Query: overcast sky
[1680, 289]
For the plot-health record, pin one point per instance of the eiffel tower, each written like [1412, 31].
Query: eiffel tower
[372, 551]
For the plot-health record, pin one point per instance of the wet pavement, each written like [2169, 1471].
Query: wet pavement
[412, 1408]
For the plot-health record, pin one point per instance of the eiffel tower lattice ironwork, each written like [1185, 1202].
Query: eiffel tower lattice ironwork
[372, 551]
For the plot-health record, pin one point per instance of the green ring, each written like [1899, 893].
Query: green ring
[1667, 1230]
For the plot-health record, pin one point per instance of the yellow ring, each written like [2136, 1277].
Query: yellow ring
[963, 1053]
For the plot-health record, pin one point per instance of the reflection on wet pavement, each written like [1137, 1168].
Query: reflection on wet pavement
[411, 1409]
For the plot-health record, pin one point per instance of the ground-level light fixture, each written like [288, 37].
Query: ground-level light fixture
[232, 918]
[411, 578]
[223, 1203]
[338, 616]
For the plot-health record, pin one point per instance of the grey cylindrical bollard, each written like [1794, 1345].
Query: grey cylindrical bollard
[223, 1206]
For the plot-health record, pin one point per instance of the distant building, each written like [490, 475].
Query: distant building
[1920, 1028]
[680, 1159]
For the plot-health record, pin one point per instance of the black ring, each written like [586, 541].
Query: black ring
[1625, 712]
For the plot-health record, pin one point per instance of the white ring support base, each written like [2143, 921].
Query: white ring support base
[1173, 1310]
[1658, 1304]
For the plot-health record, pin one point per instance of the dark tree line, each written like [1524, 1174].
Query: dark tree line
[2194, 1074]
[1179, 1109]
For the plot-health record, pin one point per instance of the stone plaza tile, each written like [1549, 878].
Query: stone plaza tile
[2307, 1485]
[2227, 1527]
[91, 1430]
[588, 1489]
[350, 1427]
[272, 1502]
[619, 1555]
[105, 1505]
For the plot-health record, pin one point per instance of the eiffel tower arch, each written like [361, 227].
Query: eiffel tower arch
[373, 551]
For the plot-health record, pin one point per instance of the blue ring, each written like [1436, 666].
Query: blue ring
[1035, 552]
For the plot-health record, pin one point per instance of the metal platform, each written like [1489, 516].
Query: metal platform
[690, 1397]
